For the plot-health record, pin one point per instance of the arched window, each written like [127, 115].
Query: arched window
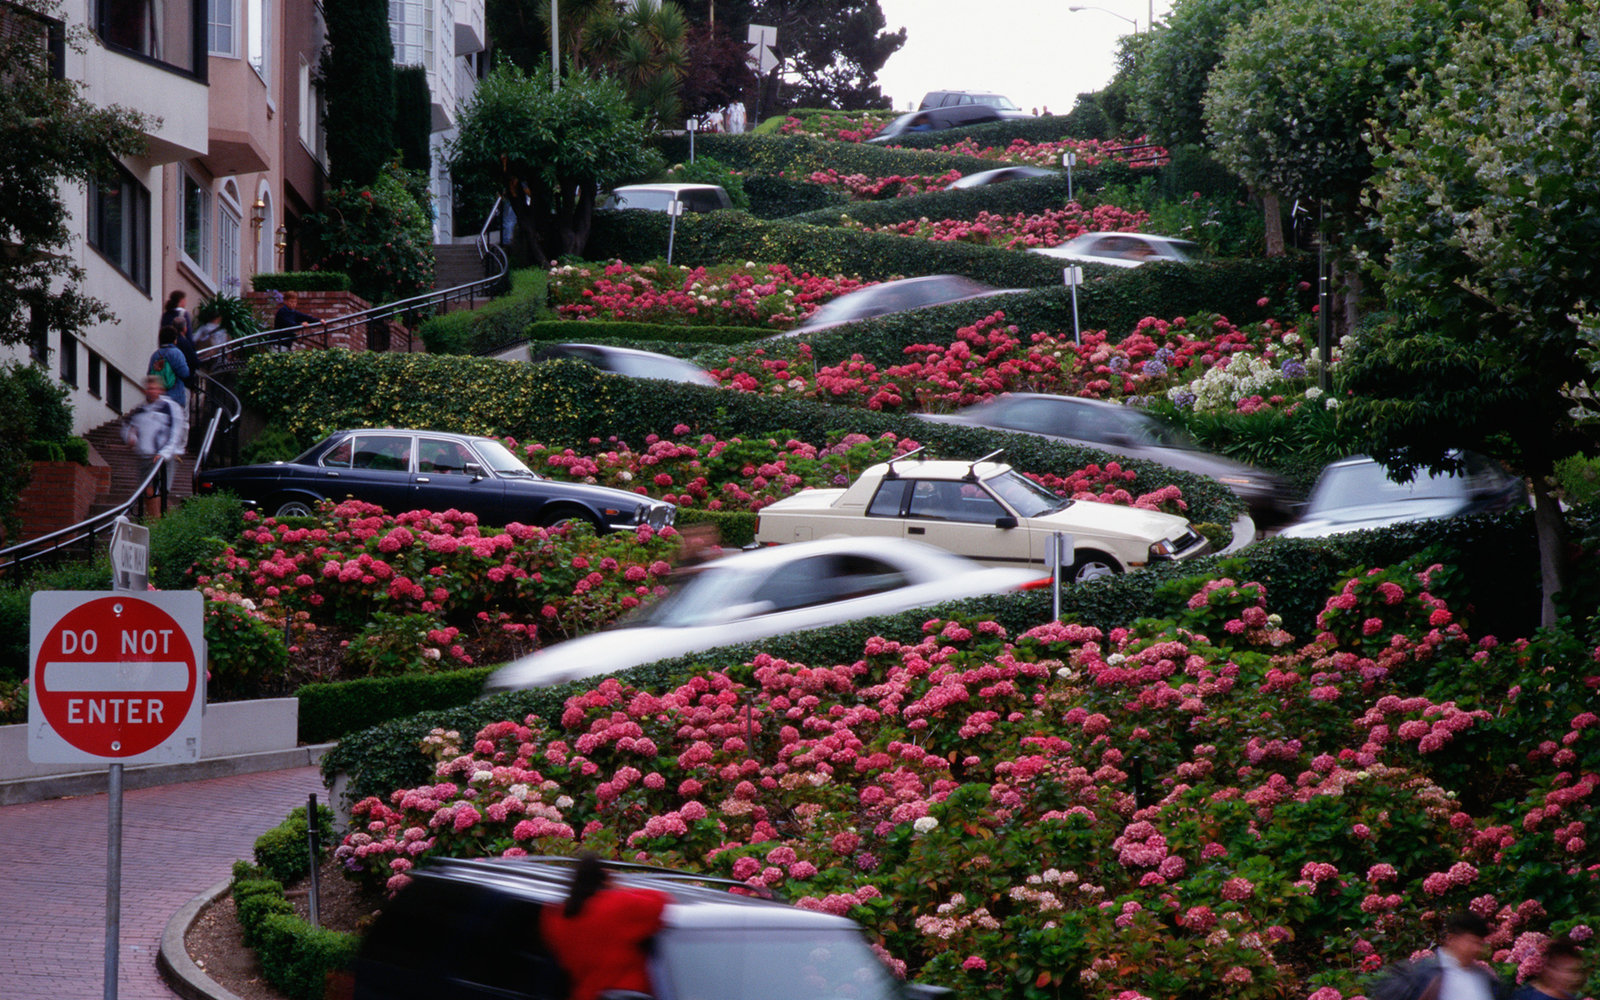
[229, 217]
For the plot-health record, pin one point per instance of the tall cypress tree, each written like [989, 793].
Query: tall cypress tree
[413, 117]
[358, 77]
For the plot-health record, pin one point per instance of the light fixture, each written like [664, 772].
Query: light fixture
[258, 214]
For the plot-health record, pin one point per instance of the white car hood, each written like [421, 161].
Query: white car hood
[1113, 519]
[595, 654]
[1376, 515]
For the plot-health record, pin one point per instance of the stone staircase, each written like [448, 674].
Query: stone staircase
[127, 469]
[455, 264]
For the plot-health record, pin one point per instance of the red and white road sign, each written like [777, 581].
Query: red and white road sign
[116, 677]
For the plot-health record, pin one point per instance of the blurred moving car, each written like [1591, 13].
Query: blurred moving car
[964, 98]
[1123, 249]
[938, 119]
[984, 510]
[1356, 493]
[767, 592]
[402, 470]
[469, 930]
[897, 296]
[1123, 430]
[999, 176]
[627, 361]
[656, 197]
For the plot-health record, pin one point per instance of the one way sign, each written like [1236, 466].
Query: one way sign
[762, 37]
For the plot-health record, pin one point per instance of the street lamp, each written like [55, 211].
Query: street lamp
[1131, 20]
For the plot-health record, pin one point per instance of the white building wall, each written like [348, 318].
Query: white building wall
[458, 36]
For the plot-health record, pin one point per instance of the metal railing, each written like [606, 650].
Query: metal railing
[225, 409]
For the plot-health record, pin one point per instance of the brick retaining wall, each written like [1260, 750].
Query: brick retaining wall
[59, 495]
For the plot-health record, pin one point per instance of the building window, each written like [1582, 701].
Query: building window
[194, 221]
[172, 32]
[228, 223]
[266, 235]
[119, 225]
[411, 31]
[259, 30]
[308, 107]
[114, 390]
[69, 359]
[94, 374]
[222, 28]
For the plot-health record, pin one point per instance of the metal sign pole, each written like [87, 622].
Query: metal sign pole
[1072, 277]
[674, 209]
[1069, 160]
[113, 880]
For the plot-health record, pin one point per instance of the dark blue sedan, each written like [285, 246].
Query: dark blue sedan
[404, 470]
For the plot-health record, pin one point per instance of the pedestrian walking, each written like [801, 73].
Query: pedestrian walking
[168, 364]
[288, 318]
[1453, 972]
[157, 428]
[599, 934]
[1560, 973]
[176, 313]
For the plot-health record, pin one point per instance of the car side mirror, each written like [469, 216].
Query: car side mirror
[1005, 522]
[474, 470]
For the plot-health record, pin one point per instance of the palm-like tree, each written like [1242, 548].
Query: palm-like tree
[642, 43]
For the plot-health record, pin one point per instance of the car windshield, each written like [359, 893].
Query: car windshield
[772, 963]
[1369, 483]
[1148, 430]
[1025, 496]
[997, 101]
[501, 460]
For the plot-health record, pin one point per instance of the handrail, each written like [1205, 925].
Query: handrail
[227, 408]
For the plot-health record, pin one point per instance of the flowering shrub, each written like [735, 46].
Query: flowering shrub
[751, 295]
[863, 188]
[841, 126]
[421, 590]
[1178, 806]
[1044, 229]
[990, 357]
[1090, 152]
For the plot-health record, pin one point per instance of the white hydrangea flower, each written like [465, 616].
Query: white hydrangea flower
[925, 824]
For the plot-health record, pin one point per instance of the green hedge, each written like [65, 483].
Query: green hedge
[72, 449]
[586, 331]
[301, 281]
[495, 324]
[16, 595]
[775, 197]
[330, 710]
[735, 528]
[200, 529]
[284, 852]
[564, 403]
[296, 958]
[1497, 592]
[795, 157]
[733, 237]
[1114, 302]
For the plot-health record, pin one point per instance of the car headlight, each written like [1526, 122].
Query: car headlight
[640, 514]
[1164, 549]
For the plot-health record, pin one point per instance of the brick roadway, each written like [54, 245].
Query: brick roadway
[177, 841]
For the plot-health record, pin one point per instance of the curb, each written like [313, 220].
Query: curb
[57, 786]
[1244, 532]
[177, 969]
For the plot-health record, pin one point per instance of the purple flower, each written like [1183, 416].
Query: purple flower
[1294, 369]
[1152, 368]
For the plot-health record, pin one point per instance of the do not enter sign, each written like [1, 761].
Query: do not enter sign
[116, 677]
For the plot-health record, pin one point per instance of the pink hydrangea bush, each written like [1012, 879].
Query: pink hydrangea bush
[731, 295]
[1195, 804]
[839, 126]
[861, 187]
[1042, 229]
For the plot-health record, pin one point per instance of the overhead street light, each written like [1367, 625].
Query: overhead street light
[1106, 10]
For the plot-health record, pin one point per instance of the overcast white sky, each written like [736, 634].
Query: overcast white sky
[1036, 52]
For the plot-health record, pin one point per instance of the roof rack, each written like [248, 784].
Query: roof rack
[892, 474]
[972, 470]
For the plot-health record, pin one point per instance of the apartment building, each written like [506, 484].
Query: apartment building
[448, 39]
[233, 163]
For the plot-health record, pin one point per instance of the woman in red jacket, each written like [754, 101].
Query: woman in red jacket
[598, 934]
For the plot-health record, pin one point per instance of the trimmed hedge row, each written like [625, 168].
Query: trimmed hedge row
[495, 324]
[301, 281]
[329, 710]
[776, 197]
[566, 402]
[584, 331]
[1114, 302]
[735, 528]
[797, 156]
[1497, 589]
[727, 237]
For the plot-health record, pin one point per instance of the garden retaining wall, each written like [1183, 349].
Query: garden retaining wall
[58, 495]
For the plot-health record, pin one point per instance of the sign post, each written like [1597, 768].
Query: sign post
[1069, 160]
[1062, 552]
[1072, 277]
[130, 556]
[761, 37]
[674, 209]
[115, 678]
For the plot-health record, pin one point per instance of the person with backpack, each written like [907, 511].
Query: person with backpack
[168, 364]
[158, 427]
[175, 315]
[1453, 972]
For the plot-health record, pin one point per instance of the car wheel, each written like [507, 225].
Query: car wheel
[293, 507]
[1092, 565]
[566, 516]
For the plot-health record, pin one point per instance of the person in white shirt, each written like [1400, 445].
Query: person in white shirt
[158, 428]
[1453, 972]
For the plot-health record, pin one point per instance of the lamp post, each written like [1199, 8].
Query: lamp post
[555, 46]
[1104, 10]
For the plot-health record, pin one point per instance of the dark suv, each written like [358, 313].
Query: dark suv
[963, 98]
[469, 930]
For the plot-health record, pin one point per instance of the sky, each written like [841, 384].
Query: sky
[1036, 52]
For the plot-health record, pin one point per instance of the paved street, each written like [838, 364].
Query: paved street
[177, 841]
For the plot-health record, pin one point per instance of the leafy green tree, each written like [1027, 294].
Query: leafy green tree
[358, 77]
[1488, 196]
[380, 234]
[831, 49]
[48, 134]
[1169, 83]
[549, 152]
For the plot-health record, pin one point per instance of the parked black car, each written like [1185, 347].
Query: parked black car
[469, 930]
[402, 470]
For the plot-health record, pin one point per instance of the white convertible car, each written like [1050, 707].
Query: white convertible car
[983, 510]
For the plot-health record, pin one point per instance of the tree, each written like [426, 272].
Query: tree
[358, 77]
[1297, 88]
[413, 118]
[48, 134]
[549, 152]
[718, 74]
[1169, 82]
[831, 49]
[1488, 195]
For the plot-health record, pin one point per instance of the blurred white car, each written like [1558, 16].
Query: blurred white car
[627, 361]
[895, 296]
[1356, 493]
[1123, 249]
[999, 176]
[767, 592]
